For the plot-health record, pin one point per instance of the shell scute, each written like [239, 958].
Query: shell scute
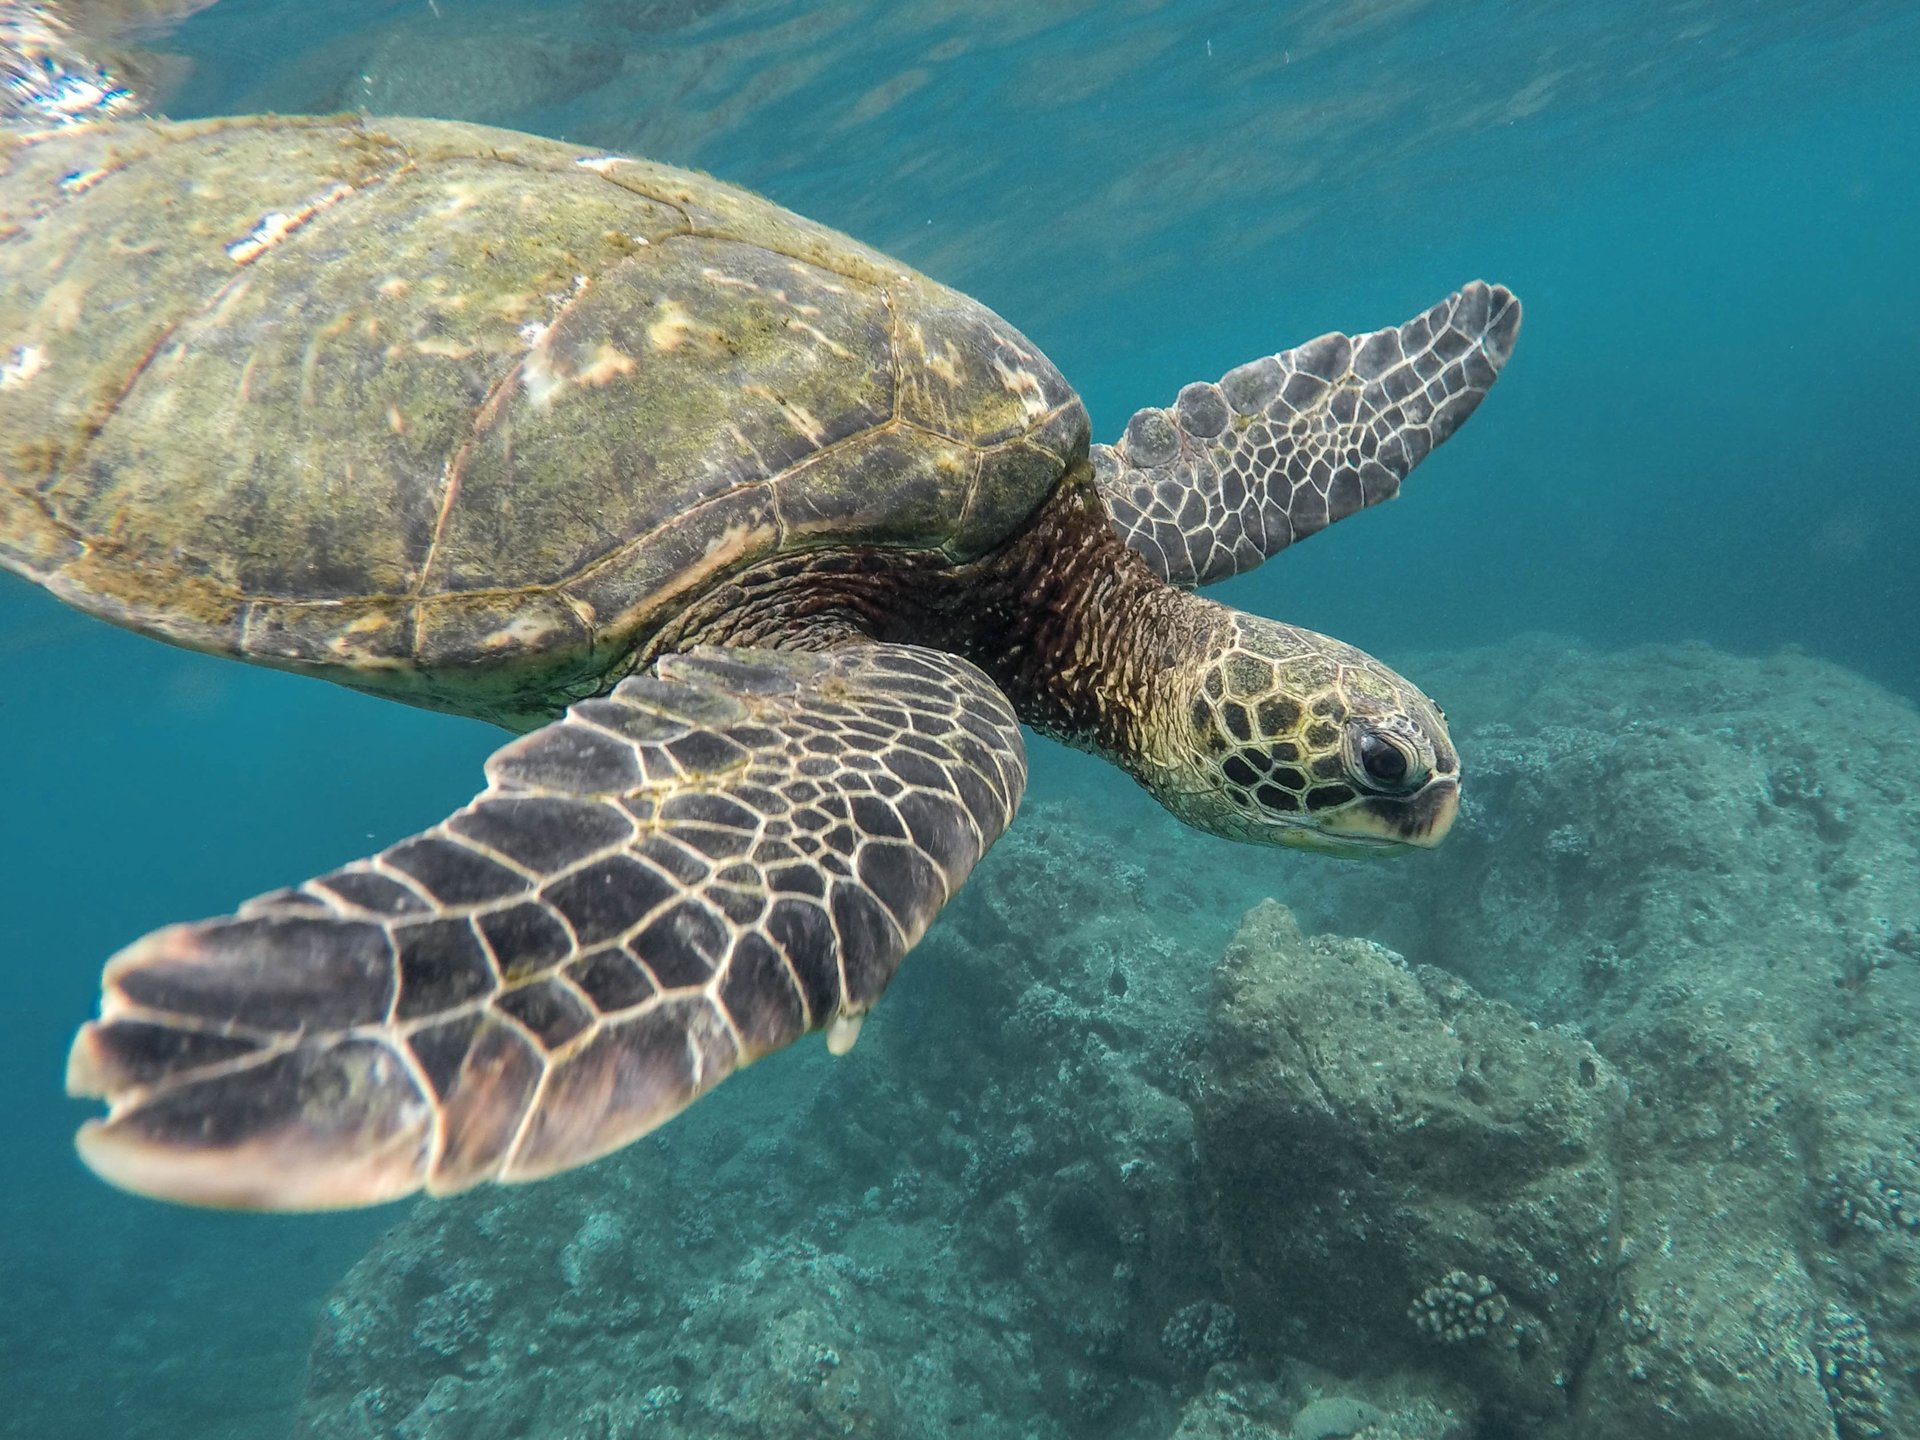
[696, 339]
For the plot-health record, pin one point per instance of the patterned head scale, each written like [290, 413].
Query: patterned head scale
[1291, 738]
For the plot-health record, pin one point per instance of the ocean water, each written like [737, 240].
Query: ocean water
[1705, 443]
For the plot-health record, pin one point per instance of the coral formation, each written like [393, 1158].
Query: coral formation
[1202, 1335]
[1459, 1308]
[1879, 1194]
[1850, 1374]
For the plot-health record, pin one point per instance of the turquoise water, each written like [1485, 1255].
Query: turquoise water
[1708, 433]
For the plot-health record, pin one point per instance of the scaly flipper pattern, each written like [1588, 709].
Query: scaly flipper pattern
[664, 885]
[1286, 445]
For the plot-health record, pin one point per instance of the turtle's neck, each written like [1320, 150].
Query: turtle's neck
[1063, 616]
[1073, 625]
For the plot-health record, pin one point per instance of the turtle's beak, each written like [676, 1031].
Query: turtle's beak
[1380, 825]
[1432, 813]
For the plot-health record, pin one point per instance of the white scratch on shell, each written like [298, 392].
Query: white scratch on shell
[798, 416]
[277, 225]
[539, 376]
[821, 338]
[1025, 384]
[26, 362]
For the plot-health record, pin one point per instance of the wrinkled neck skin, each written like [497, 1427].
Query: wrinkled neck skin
[1074, 627]
[1066, 619]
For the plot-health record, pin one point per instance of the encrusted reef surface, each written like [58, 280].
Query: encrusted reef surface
[1404, 1173]
[1620, 1139]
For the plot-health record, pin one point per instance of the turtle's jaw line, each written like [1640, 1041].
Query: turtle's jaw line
[1419, 822]
[1337, 842]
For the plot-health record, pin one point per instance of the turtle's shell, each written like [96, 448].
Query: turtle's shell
[462, 415]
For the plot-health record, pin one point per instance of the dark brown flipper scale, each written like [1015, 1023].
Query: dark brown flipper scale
[661, 887]
[1285, 446]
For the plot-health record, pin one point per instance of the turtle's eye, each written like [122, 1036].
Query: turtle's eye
[1386, 762]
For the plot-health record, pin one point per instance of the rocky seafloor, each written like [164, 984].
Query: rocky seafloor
[1607, 1130]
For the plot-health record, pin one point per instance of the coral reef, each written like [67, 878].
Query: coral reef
[1733, 942]
[1616, 1142]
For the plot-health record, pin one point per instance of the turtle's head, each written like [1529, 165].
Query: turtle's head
[1285, 737]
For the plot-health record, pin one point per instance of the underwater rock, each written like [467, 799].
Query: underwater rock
[1296, 1405]
[1707, 1338]
[779, 1345]
[1334, 1417]
[1709, 1335]
[1398, 1166]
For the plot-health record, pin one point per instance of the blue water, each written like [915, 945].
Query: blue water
[1709, 431]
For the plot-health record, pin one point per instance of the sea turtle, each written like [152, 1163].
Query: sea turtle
[768, 541]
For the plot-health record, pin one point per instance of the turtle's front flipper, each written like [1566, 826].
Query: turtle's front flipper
[661, 887]
[1282, 447]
